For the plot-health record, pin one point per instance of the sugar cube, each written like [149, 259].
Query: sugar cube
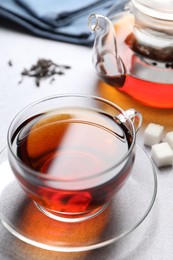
[169, 138]
[153, 134]
[162, 154]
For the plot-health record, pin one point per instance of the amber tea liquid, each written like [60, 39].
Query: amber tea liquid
[73, 147]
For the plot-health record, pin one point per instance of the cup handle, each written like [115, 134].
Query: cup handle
[134, 115]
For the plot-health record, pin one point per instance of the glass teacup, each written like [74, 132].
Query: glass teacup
[72, 153]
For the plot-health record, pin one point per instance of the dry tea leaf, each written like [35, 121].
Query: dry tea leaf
[10, 64]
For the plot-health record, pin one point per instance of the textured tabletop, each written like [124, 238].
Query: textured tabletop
[154, 237]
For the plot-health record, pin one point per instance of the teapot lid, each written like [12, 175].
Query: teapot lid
[156, 8]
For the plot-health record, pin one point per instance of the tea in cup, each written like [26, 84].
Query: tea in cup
[72, 153]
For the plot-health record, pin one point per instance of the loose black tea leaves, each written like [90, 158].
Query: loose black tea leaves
[44, 69]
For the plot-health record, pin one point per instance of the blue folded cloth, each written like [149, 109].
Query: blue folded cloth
[56, 19]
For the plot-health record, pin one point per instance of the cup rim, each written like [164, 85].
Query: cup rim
[71, 95]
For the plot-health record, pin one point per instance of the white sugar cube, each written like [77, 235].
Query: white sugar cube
[169, 138]
[162, 154]
[153, 134]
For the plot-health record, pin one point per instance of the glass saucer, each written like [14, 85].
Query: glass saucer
[130, 206]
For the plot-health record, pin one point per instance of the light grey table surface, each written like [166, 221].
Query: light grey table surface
[153, 240]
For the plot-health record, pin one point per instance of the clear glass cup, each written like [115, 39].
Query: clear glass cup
[72, 153]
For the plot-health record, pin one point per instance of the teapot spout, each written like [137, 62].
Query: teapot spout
[106, 60]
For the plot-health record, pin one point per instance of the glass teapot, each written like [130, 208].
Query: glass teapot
[134, 50]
